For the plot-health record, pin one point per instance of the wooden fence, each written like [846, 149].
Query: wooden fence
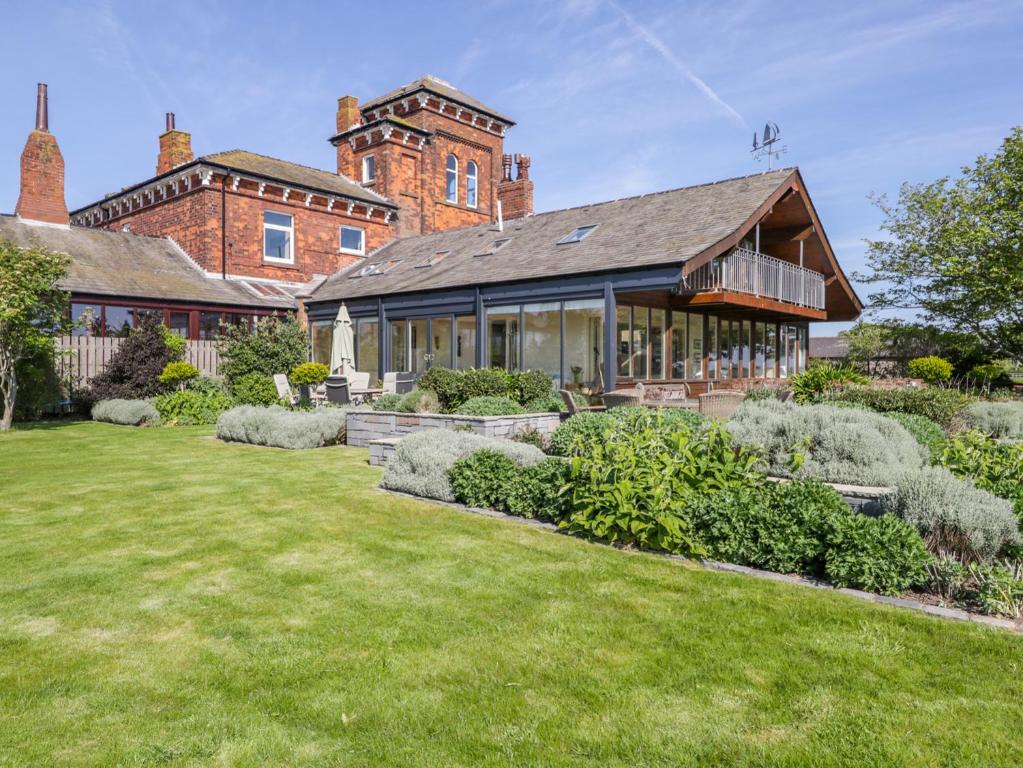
[81, 358]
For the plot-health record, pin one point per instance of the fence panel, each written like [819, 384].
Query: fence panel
[82, 358]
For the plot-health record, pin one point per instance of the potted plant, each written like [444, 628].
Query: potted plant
[306, 376]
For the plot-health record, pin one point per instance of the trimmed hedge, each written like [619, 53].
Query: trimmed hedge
[422, 460]
[134, 413]
[936, 403]
[280, 428]
[489, 406]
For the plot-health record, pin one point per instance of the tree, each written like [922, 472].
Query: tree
[32, 311]
[868, 342]
[134, 369]
[276, 345]
[955, 251]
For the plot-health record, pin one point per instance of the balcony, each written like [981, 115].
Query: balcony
[757, 274]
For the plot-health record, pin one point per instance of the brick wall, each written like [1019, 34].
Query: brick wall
[42, 180]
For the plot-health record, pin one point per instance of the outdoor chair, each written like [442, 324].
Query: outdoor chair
[338, 392]
[573, 407]
[623, 397]
[390, 383]
[405, 382]
[284, 391]
[721, 403]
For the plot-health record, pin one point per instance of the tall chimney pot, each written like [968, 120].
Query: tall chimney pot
[170, 121]
[42, 108]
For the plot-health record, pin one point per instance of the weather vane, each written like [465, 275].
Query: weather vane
[768, 146]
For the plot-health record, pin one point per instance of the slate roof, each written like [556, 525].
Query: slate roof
[440, 88]
[650, 230]
[125, 265]
[272, 169]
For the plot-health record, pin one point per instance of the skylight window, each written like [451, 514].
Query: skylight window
[437, 258]
[380, 268]
[495, 246]
[577, 234]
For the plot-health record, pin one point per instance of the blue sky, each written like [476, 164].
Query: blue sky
[611, 98]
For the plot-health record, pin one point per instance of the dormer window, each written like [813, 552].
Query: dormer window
[496, 246]
[437, 258]
[379, 268]
[369, 169]
[451, 180]
[577, 234]
[471, 184]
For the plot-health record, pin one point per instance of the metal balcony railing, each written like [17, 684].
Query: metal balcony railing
[757, 274]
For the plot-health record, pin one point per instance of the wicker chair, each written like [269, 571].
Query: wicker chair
[622, 397]
[721, 403]
[573, 407]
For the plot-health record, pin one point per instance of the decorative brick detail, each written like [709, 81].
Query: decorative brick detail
[42, 180]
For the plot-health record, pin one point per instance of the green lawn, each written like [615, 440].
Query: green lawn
[166, 599]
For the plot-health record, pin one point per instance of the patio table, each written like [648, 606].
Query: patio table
[691, 405]
[367, 393]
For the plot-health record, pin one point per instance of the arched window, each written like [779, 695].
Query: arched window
[451, 179]
[471, 173]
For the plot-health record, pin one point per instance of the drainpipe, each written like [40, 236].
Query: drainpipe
[223, 227]
[610, 333]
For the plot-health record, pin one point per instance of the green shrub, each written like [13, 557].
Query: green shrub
[632, 487]
[255, 389]
[946, 578]
[133, 413]
[531, 436]
[483, 479]
[187, 407]
[481, 382]
[281, 428]
[578, 431]
[207, 384]
[999, 420]
[638, 417]
[877, 554]
[837, 445]
[175, 343]
[489, 405]
[993, 466]
[524, 386]
[39, 383]
[782, 527]
[1000, 588]
[539, 491]
[178, 373]
[422, 460]
[447, 383]
[990, 375]
[309, 374]
[932, 369]
[134, 369]
[419, 401]
[549, 403]
[954, 516]
[813, 384]
[926, 432]
[387, 402]
[938, 404]
[275, 345]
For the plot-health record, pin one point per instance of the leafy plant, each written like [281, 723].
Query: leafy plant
[207, 384]
[990, 374]
[32, 312]
[540, 491]
[188, 406]
[275, 345]
[953, 515]
[938, 404]
[481, 382]
[483, 479]
[877, 554]
[134, 369]
[531, 436]
[932, 369]
[446, 383]
[282, 428]
[926, 432]
[308, 374]
[133, 413]
[578, 431]
[1000, 588]
[389, 401]
[820, 379]
[837, 445]
[178, 373]
[946, 578]
[175, 343]
[524, 386]
[993, 466]
[419, 401]
[255, 389]
[489, 405]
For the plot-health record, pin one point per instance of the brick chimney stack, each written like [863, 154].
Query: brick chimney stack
[516, 196]
[348, 115]
[175, 147]
[42, 171]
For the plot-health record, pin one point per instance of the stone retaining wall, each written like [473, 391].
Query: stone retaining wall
[366, 426]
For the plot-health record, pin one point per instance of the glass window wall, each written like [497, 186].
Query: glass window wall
[418, 345]
[465, 342]
[399, 350]
[678, 345]
[503, 337]
[542, 338]
[712, 347]
[696, 347]
[87, 320]
[623, 336]
[321, 332]
[747, 338]
[440, 335]
[657, 318]
[179, 323]
[584, 340]
[367, 347]
[640, 328]
[770, 350]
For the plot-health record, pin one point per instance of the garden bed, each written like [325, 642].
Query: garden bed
[365, 427]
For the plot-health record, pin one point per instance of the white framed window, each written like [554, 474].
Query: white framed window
[278, 237]
[577, 234]
[471, 184]
[369, 169]
[353, 240]
[451, 180]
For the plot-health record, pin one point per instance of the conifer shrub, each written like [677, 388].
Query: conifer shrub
[282, 428]
[308, 374]
[422, 460]
[178, 373]
[133, 413]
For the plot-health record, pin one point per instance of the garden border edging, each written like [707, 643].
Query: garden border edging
[363, 427]
[952, 614]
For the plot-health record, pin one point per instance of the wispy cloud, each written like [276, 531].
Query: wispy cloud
[662, 48]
